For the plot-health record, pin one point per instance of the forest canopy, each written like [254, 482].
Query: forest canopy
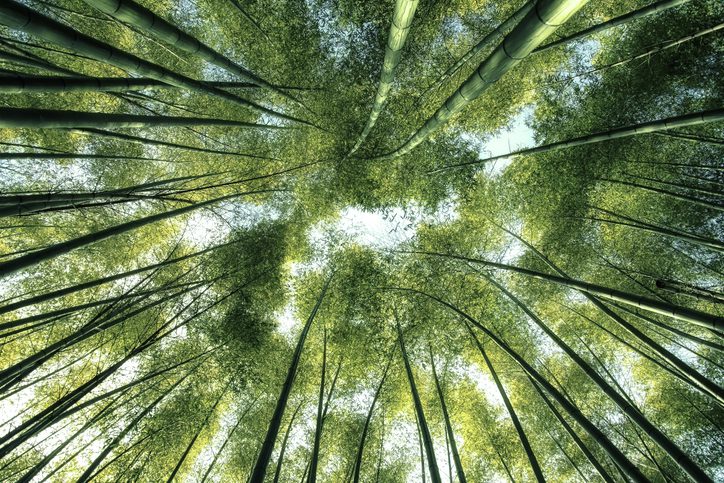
[361, 241]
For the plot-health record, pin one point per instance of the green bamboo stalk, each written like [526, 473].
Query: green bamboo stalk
[652, 9]
[357, 468]
[643, 55]
[267, 447]
[632, 412]
[314, 460]
[678, 196]
[535, 466]
[145, 20]
[659, 230]
[681, 370]
[55, 119]
[401, 22]
[494, 36]
[424, 429]
[613, 452]
[186, 452]
[20, 83]
[693, 119]
[155, 142]
[670, 310]
[536, 26]
[572, 433]
[448, 426]
[282, 451]
[19, 263]
[16, 16]
[23, 83]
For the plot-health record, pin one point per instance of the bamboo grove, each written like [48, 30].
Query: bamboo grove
[349, 241]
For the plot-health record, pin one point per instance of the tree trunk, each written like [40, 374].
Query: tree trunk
[678, 196]
[143, 141]
[43, 297]
[572, 433]
[360, 449]
[637, 417]
[278, 471]
[197, 434]
[25, 261]
[683, 371]
[677, 234]
[262, 462]
[312, 478]
[146, 21]
[424, 429]
[614, 453]
[497, 33]
[685, 289]
[55, 119]
[88, 473]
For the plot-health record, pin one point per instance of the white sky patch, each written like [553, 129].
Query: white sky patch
[287, 321]
[386, 229]
[211, 226]
[516, 135]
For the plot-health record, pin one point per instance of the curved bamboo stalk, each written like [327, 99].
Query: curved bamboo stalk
[497, 34]
[536, 26]
[656, 306]
[693, 119]
[652, 9]
[532, 460]
[16, 16]
[424, 429]
[143, 19]
[357, 468]
[314, 459]
[401, 21]
[448, 426]
[632, 412]
[278, 471]
[16, 264]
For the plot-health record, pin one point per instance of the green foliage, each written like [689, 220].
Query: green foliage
[195, 343]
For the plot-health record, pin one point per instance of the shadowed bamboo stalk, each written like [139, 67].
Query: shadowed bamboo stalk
[401, 21]
[16, 16]
[448, 426]
[494, 36]
[52, 251]
[682, 313]
[17, 83]
[267, 447]
[55, 119]
[632, 412]
[614, 453]
[532, 460]
[357, 468]
[422, 422]
[147, 22]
